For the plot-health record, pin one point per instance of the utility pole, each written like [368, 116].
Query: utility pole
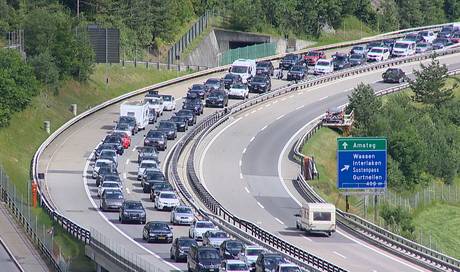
[78, 9]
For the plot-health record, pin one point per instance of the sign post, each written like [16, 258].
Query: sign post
[362, 163]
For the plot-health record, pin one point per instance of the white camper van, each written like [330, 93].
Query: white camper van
[137, 109]
[246, 68]
[403, 48]
[316, 217]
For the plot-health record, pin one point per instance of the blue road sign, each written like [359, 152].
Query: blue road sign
[361, 163]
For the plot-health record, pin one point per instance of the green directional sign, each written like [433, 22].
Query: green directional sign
[361, 144]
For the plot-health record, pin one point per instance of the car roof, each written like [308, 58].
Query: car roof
[132, 201]
[379, 47]
[109, 181]
[235, 262]
[287, 265]
[254, 247]
[149, 161]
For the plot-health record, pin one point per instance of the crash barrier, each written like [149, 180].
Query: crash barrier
[165, 66]
[82, 233]
[397, 244]
[220, 117]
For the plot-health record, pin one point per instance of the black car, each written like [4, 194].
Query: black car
[203, 259]
[157, 231]
[146, 152]
[297, 72]
[103, 146]
[150, 177]
[291, 60]
[156, 139]
[230, 249]
[260, 84]
[181, 122]
[158, 186]
[340, 61]
[169, 128]
[394, 75]
[200, 89]
[268, 261]
[217, 99]
[181, 247]
[440, 43]
[104, 171]
[357, 59]
[191, 117]
[193, 104]
[111, 177]
[132, 211]
[117, 143]
[265, 68]
[131, 121]
[214, 83]
[230, 79]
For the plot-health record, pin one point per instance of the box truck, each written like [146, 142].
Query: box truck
[316, 217]
[138, 110]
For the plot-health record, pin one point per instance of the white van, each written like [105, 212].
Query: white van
[317, 217]
[246, 68]
[403, 48]
[138, 110]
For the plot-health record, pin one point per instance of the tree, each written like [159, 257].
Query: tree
[389, 17]
[452, 9]
[411, 13]
[45, 68]
[365, 105]
[429, 86]
[245, 15]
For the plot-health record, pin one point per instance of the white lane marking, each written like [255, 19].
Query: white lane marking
[127, 161]
[240, 163]
[209, 145]
[264, 128]
[88, 194]
[338, 254]
[291, 96]
[308, 239]
[258, 203]
[322, 98]
[247, 190]
[244, 150]
[241, 175]
[284, 98]
[300, 93]
[274, 102]
[281, 222]
[124, 175]
[134, 148]
[268, 105]
[246, 115]
[299, 107]
[260, 108]
[253, 111]
[281, 116]
[338, 231]
[127, 190]
[252, 139]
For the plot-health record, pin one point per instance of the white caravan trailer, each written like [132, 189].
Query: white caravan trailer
[137, 109]
[316, 217]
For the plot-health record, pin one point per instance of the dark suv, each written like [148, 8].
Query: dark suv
[297, 72]
[290, 60]
[267, 262]
[131, 121]
[191, 117]
[181, 247]
[394, 75]
[265, 68]
[132, 211]
[203, 259]
[169, 128]
[156, 139]
[217, 99]
[230, 79]
[260, 84]
[193, 104]
[340, 61]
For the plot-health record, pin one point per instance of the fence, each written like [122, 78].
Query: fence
[249, 52]
[41, 235]
[197, 28]
[164, 66]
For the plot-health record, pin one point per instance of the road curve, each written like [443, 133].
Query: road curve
[255, 169]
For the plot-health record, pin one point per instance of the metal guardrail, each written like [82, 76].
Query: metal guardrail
[82, 233]
[165, 66]
[370, 231]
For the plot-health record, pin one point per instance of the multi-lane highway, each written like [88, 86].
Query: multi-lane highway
[256, 169]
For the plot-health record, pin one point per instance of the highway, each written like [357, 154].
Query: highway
[6, 262]
[256, 169]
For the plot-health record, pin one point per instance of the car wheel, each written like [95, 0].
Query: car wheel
[144, 190]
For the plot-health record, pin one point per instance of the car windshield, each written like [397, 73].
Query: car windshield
[322, 63]
[159, 226]
[176, 119]
[254, 252]
[154, 134]
[340, 58]
[166, 125]
[197, 87]
[297, 68]
[238, 86]
[234, 245]
[102, 163]
[258, 79]
[212, 81]
[123, 126]
[168, 195]
[289, 269]
[183, 210]
[272, 261]
[356, 57]
[401, 45]
[359, 48]
[290, 57]
[422, 45]
[216, 95]
[263, 64]
[127, 119]
[218, 234]
[105, 170]
[376, 50]
[207, 225]
[154, 175]
[186, 243]
[208, 255]
[229, 76]
[113, 194]
[148, 165]
[237, 266]
[423, 33]
[239, 69]
[167, 98]
[111, 140]
[392, 71]
[108, 153]
[313, 54]
[133, 206]
[110, 185]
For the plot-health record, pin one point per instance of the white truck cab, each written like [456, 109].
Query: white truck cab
[245, 68]
[404, 48]
[317, 217]
[138, 110]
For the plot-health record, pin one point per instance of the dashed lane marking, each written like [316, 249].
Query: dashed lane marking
[258, 203]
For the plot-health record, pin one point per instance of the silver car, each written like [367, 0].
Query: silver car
[111, 199]
[214, 238]
[182, 215]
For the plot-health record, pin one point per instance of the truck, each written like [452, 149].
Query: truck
[245, 68]
[316, 217]
[138, 110]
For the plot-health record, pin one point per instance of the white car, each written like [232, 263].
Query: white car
[108, 185]
[198, 228]
[234, 266]
[146, 164]
[98, 164]
[428, 36]
[239, 90]
[214, 238]
[169, 102]
[324, 66]
[250, 254]
[287, 267]
[166, 200]
[378, 54]
[155, 103]
[182, 215]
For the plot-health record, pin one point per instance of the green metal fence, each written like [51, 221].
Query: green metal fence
[248, 52]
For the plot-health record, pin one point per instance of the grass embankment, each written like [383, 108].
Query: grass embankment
[20, 140]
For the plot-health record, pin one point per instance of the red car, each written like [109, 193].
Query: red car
[313, 56]
[125, 139]
[455, 38]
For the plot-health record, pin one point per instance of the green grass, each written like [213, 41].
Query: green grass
[441, 221]
[25, 133]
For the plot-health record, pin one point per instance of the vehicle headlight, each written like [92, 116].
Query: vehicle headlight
[169, 235]
[125, 213]
[142, 214]
[160, 142]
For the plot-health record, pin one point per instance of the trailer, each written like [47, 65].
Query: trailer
[138, 110]
[317, 217]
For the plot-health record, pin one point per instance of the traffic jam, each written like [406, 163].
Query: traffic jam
[206, 247]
